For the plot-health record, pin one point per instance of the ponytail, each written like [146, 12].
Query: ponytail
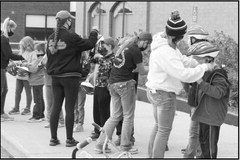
[56, 37]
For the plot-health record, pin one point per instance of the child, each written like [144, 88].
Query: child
[26, 46]
[36, 80]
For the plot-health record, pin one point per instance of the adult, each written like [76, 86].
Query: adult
[167, 69]
[7, 31]
[122, 90]
[64, 49]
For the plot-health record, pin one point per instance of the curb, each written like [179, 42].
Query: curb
[10, 144]
[230, 119]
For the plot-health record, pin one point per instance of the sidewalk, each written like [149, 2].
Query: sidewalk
[22, 139]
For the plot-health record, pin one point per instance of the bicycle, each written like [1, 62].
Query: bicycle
[88, 140]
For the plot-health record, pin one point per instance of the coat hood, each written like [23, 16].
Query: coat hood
[158, 40]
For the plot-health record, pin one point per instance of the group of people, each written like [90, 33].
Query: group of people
[114, 74]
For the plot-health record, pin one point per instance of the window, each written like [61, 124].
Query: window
[39, 27]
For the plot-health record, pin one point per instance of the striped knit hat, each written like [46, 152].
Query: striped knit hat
[203, 49]
[175, 25]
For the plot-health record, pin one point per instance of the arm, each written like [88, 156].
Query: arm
[7, 51]
[189, 61]
[86, 44]
[217, 89]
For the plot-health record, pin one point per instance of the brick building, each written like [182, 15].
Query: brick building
[152, 16]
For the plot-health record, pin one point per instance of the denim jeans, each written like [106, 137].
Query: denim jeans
[50, 103]
[4, 89]
[123, 106]
[79, 111]
[164, 112]
[19, 88]
[193, 148]
[39, 106]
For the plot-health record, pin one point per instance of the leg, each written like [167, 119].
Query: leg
[71, 92]
[58, 96]
[49, 100]
[37, 110]
[213, 140]
[96, 111]
[18, 92]
[4, 89]
[28, 94]
[204, 140]
[81, 104]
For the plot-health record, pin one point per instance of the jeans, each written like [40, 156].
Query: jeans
[208, 137]
[193, 148]
[79, 110]
[101, 107]
[164, 112]
[19, 88]
[39, 106]
[50, 103]
[123, 106]
[4, 89]
[64, 88]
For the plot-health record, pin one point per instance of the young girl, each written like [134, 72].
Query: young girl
[26, 46]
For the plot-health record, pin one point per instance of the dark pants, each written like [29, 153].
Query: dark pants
[19, 89]
[119, 126]
[64, 88]
[101, 108]
[39, 106]
[4, 89]
[208, 137]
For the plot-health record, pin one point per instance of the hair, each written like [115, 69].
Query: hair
[7, 25]
[40, 47]
[27, 44]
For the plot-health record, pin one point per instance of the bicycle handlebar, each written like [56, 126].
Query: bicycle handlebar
[97, 127]
[80, 146]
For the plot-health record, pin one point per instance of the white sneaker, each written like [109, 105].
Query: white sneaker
[61, 125]
[47, 125]
[78, 128]
[6, 117]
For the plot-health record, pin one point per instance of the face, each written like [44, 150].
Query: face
[69, 23]
[144, 45]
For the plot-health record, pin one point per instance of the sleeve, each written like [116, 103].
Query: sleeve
[7, 51]
[85, 44]
[137, 56]
[174, 66]
[217, 89]
[188, 61]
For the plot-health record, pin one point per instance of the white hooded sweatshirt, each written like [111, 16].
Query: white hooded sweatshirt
[167, 67]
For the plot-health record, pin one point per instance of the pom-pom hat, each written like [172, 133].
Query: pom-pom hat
[203, 49]
[175, 26]
[63, 14]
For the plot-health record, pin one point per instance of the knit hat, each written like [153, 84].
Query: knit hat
[110, 41]
[175, 25]
[63, 14]
[203, 49]
[145, 36]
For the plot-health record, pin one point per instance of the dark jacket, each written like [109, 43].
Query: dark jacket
[6, 53]
[213, 98]
[66, 62]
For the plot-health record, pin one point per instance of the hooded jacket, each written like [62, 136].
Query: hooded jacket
[213, 98]
[167, 67]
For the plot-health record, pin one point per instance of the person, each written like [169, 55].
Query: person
[36, 81]
[195, 34]
[64, 49]
[79, 111]
[122, 90]
[26, 48]
[212, 99]
[167, 69]
[103, 65]
[7, 30]
[49, 96]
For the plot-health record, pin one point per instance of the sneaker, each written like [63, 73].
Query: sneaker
[94, 136]
[183, 150]
[99, 149]
[13, 112]
[47, 125]
[78, 128]
[132, 140]
[6, 117]
[71, 142]
[117, 142]
[54, 142]
[61, 125]
[25, 112]
[34, 120]
[131, 149]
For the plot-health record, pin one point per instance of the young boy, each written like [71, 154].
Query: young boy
[211, 99]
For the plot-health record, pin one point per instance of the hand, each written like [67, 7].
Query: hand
[199, 81]
[95, 28]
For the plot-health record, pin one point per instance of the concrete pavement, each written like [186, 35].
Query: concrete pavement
[22, 139]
